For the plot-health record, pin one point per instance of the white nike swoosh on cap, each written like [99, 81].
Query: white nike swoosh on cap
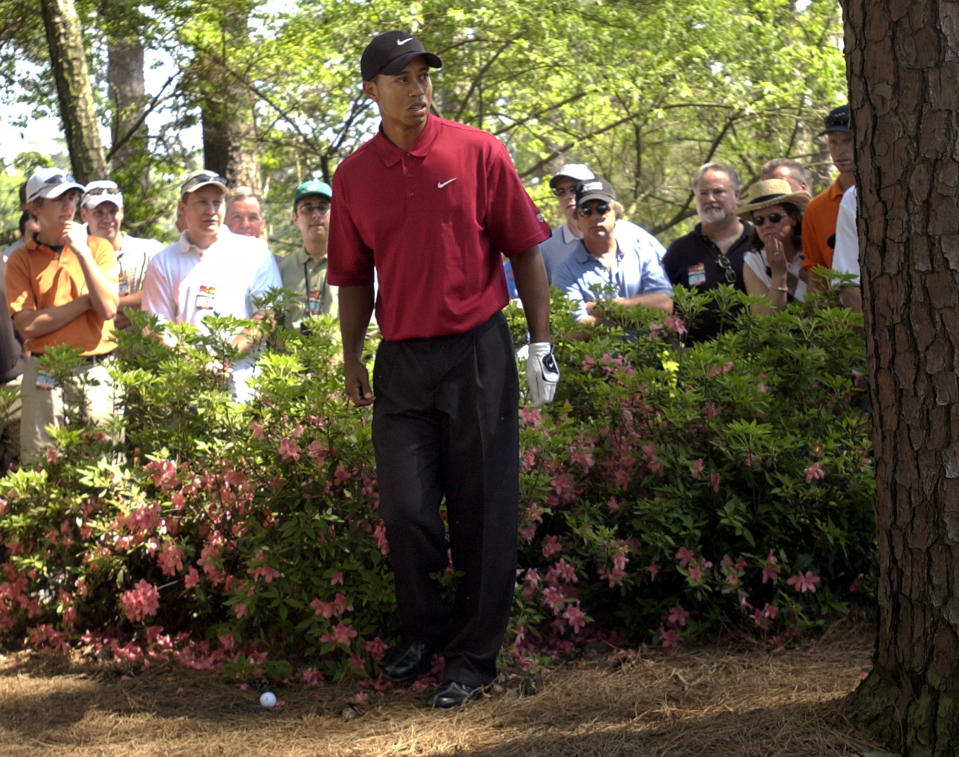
[404, 41]
[441, 184]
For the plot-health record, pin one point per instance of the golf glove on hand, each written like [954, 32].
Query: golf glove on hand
[542, 373]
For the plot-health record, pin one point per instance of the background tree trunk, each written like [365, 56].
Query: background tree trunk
[128, 95]
[77, 111]
[227, 107]
[903, 72]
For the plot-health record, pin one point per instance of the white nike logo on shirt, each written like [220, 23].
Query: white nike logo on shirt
[403, 41]
[441, 184]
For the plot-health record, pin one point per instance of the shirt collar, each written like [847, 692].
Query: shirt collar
[568, 236]
[390, 154]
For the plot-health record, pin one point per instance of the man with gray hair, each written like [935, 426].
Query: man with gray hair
[712, 253]
[244, 213]
[787, 169]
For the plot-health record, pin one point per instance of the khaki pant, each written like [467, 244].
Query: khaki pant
[43, 404]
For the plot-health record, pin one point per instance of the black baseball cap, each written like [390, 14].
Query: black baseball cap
[837, 120]
[594, 189]
[389, 53]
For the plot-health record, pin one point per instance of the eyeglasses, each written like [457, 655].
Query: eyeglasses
[772, 218]
[202, 178]
[600, 210]
[309, 209]
[563, 191]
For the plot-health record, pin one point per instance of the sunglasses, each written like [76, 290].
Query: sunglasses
[772, 218]
[202, 178]
[563, 191]
[600, 210]
[97, 191]
[729, 273]
[60, 178]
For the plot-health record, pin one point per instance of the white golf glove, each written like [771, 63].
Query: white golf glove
[542, 373]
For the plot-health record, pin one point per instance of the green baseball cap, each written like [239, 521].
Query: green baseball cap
[312, 187]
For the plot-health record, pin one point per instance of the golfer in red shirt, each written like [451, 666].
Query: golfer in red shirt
[432, 204]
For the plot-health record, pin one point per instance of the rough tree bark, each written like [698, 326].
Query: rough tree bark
[903, 71]
[227, 108]
[77, 112]
[126, 87]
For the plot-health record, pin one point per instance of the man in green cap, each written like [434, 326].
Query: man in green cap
[304, 271]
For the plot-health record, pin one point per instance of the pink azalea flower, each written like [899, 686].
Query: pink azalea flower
[575, 617]
[677, 616]
[551, 546]
[342, 634]
[141, 601]
[668, 638]
[696, 468]
[653, 569]
[685, 556]
[815, 471]
[803, 582]
[336, 578]
[192, 578]
[714, 481]
[289, 449]
[240, 610]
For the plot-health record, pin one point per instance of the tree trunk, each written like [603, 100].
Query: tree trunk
[128, 95]
[227, 108]
[903, 71]
[77, 112]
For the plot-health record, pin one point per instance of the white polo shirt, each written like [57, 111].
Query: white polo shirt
[184, 284]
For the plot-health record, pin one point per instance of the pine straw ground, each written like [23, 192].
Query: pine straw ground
[708, 702]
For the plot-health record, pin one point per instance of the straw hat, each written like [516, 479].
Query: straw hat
[765, 194]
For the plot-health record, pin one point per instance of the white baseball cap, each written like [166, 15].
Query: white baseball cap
[50, 182]
[101, 191]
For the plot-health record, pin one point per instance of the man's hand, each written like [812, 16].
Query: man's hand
[75, 235]
[357, 382]
[542, 373]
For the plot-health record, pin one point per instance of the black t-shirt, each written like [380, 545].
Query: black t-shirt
[693, 261]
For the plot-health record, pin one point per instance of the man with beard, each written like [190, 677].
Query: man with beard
[712, 253]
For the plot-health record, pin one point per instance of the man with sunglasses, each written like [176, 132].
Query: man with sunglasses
[430, 205]
[565, 237]
[62, 292]
[304, 271]
[712, 253]
[210, 271]
[101, 209]
[625, 268]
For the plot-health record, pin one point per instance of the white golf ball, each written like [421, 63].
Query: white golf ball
[268, 699]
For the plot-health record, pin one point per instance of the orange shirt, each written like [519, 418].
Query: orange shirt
[819, 227]
[40, 279]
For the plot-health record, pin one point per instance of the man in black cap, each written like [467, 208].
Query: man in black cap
[608, 264]
[819, 220]
[432, 204]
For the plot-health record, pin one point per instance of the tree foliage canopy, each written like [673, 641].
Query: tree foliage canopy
[643, 92]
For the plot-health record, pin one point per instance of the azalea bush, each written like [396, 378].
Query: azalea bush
[671, 493]
[677, 492]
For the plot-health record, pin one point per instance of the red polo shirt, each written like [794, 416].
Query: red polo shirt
[433, 220]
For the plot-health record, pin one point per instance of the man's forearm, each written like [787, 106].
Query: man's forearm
[529, 272]
[32, 324]
[355, 310]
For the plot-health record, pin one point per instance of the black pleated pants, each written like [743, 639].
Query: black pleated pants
[445, 427]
